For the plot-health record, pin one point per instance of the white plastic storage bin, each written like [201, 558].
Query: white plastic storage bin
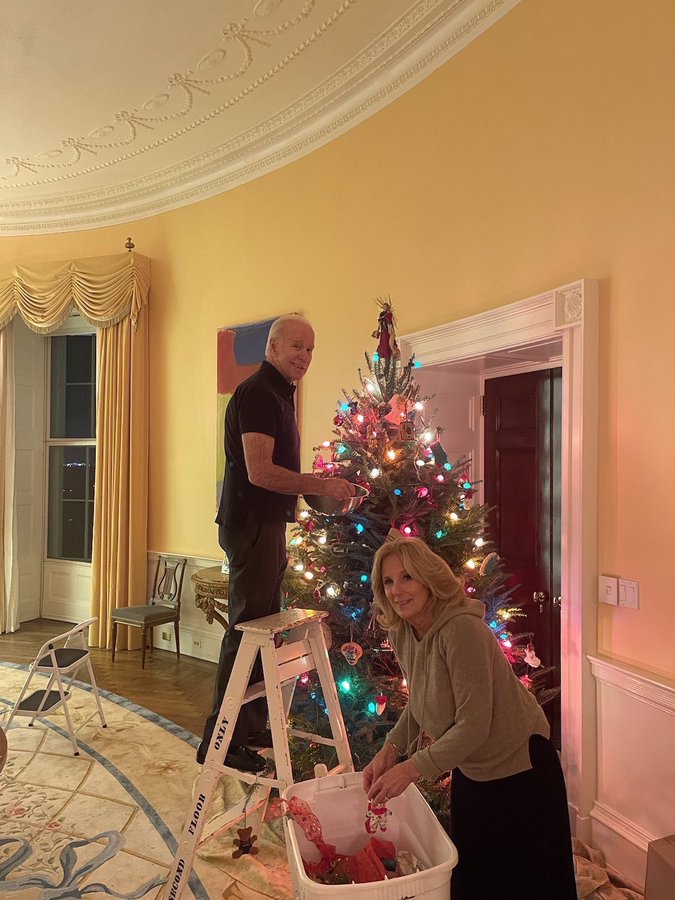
[340, 804]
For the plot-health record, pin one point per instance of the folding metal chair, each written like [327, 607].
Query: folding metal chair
[62, 656]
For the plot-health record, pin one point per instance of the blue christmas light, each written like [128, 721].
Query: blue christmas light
[345, 685]
[364, 578]
[372, 708]
[398, 492]
[494, 624]
[342, 449]
[439, 534]
[359, 528]
[344, 407]
[467, 485]
[376, 357]
[417, 364]
[503, 637]
[447, 466]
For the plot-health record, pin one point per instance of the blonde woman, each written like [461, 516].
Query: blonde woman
[508, 797]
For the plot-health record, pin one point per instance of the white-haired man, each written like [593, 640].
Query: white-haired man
[261, 484]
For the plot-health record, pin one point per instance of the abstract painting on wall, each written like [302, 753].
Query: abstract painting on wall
[241, 349]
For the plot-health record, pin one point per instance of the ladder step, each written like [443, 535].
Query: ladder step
[283, 621]
[31, 704]
[288, 671]
[316, 738]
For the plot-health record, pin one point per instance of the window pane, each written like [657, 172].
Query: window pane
[79, 358]
[73, 386]
[70, 519]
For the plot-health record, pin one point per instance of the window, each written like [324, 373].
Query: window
[71, 446]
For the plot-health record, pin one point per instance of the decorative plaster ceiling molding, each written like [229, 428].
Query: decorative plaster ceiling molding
[408, 49]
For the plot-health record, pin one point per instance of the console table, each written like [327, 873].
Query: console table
[211, 587]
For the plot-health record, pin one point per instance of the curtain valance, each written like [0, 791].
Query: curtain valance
[105, 290]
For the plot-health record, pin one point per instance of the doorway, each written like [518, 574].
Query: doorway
[522, 481]
[569, 315]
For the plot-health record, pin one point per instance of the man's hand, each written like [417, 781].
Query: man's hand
[337, 488]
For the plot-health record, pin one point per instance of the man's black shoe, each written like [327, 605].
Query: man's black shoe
[245, 760]
[260, 740]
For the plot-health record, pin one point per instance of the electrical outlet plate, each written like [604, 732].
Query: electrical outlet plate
[608, 589]
[166, 635]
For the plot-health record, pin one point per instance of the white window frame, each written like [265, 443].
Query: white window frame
[66, 592]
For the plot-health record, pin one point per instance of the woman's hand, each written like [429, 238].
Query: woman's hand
[383, 760]
[393, 781]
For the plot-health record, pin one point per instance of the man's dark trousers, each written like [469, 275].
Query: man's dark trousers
[256, 552]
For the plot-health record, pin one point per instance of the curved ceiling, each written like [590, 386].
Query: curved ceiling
[113, 112]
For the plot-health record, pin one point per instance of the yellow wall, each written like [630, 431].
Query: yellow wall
[540, 154]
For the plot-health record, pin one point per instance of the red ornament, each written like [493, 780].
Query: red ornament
[338, 420]
[381, 703]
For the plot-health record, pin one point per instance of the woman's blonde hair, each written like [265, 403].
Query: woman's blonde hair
[422, 564]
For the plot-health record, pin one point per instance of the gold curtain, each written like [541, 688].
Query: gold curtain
[9, 570]
[119, 565]
[104, 289]
[110, 292]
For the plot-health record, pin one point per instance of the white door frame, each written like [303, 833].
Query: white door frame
[570, 312]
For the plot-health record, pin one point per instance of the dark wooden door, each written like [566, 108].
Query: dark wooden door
[522, 485]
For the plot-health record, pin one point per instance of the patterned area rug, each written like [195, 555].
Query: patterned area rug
[106, 823]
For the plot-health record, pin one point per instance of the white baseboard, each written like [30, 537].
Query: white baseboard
[622, 842]
[195, 643]
[198, 639]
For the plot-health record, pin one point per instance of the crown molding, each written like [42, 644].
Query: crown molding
[376, 77]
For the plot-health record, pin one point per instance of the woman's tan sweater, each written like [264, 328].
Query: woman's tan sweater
[464, 694]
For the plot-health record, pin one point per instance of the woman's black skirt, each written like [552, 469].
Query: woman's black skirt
[513, 834]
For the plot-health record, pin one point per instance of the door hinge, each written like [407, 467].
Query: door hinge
[483, 404]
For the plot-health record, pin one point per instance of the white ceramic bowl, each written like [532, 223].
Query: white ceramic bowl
[330, 507]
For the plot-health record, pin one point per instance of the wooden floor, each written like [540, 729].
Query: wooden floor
[180, 690]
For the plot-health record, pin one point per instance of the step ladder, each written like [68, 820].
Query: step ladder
[303, 651]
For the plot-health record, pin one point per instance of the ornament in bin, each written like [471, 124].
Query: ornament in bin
[380, 703]
[376, 817]
[352, 652]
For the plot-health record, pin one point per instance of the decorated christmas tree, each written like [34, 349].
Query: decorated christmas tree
[384, 440]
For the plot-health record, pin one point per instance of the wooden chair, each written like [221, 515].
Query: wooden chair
[164, 606]
[62, 656]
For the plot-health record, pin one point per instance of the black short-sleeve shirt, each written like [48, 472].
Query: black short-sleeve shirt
[263, 404]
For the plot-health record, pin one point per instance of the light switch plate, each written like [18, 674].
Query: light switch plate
[629, 593]
[608, 589]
